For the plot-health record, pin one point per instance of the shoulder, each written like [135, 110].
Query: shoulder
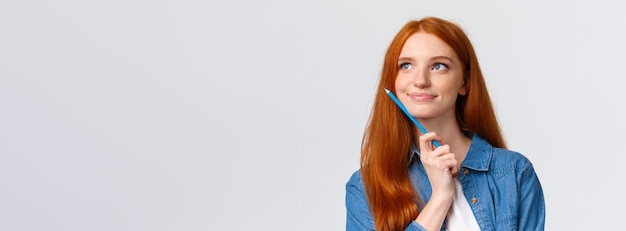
[355, 194]
[505, 155]
[355, 180]
[483, 156]
[504, 161]
[496, 156]
[509, 155]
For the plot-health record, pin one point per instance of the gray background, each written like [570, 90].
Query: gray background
[248, 115]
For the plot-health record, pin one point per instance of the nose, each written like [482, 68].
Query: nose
[421, 79]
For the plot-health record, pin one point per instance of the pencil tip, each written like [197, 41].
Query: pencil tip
[386, 89]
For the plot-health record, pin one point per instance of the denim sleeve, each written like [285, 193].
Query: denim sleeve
[358, 216]
[532, 206]
[414, 226]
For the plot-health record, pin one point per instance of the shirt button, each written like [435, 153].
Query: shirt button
[474, 200]
[465, 172]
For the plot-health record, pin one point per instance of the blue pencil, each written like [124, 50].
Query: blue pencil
[406, 112]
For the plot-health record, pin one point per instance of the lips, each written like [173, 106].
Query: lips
[421, 96]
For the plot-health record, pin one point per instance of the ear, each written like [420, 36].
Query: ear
[463, 89]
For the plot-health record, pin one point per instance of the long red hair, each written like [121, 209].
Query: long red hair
[389, 135]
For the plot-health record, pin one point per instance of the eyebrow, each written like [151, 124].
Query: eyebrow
[404, 59]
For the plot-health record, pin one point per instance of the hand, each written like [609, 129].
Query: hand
[440, 165]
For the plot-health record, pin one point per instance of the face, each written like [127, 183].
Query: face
[430, 76]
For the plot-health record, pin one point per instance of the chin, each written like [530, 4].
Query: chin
[422, 116]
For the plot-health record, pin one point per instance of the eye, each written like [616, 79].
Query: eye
[439, 67]
[406, 66]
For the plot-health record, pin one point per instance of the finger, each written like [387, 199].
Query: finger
[443, 150]
[453, 164]
[425, 141]
[438, 140]
[454, 170]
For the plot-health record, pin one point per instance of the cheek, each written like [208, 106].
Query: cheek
[400, 83]
[397, 84]
[454, 86]
[450, 89]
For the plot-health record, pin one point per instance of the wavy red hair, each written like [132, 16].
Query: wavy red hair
[389, 135]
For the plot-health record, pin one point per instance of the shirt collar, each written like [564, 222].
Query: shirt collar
[478, 156]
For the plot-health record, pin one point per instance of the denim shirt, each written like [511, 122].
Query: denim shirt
[500, 185]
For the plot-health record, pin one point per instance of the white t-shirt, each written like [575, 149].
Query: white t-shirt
[460, 215]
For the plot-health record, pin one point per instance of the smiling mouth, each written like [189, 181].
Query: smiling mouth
[421, 96]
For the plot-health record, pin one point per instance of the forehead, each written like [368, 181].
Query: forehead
[426, 45]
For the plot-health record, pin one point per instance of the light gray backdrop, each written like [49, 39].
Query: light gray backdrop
[248, 115]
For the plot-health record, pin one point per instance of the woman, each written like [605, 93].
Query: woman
[471, 181]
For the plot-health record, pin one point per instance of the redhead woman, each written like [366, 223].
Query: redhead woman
[471, 181]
